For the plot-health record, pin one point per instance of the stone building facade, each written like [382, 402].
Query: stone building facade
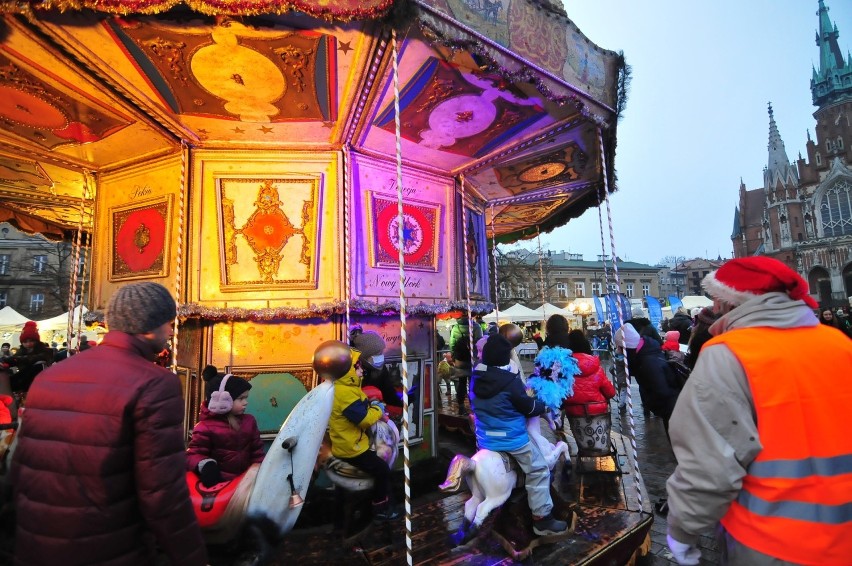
[802, 215]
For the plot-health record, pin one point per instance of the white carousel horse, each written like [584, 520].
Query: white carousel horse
[491, 477]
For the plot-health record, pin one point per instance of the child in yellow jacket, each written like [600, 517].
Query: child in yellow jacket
[351, 415]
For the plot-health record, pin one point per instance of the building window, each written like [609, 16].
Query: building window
[36, 302]
[81, 266]
[630, 290]
[4, 299]
[562, 290]
[646, 289]
[839, 142]
[78, 299]
[819, 159]
[504, 291]
[39, 263]
[523, 292]
[835, 208]
[596, 288]
[613, 288]
[580, 289]
[4, 264]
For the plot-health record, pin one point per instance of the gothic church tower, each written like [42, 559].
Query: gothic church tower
[803, 213]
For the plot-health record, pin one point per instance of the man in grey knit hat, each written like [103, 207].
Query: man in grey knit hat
[99, 472]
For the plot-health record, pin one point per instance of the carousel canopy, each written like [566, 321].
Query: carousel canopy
[89, 87]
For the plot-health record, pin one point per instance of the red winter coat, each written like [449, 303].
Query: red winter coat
[591, 386]
[233, 450]
[99, 474]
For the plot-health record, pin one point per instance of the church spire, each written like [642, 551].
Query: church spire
[827, 84]
[778, 168]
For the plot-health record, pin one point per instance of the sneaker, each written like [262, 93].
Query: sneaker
[388, 514]
[549, 526]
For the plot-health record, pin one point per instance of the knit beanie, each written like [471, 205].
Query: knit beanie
[706, 317]
[743, 278]
[236, 386]
[638, 312]
[631, 337]
[672, 336]
[138, 308]
[30, 332]
[497, 351]
[370, 344]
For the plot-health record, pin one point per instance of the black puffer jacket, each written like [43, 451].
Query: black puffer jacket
[656, 380]
[683, 324]
[99, 471]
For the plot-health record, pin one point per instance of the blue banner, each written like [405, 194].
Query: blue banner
[626, 309]
[599, 310]
[612, 312]
[674, 303]
[655, 311]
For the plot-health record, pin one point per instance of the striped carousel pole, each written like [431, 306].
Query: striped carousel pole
[541, 277]
[470, 321]
[494, 263]
[75, 266]
[631, 424]
[347, 260]
[406, 459]
[184, 151]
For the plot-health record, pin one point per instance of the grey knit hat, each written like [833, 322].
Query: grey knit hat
[138, 308]
[368, 343]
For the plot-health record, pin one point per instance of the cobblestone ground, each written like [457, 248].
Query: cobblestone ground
[656, 463]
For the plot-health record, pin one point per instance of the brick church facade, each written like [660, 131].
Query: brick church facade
[803, 213]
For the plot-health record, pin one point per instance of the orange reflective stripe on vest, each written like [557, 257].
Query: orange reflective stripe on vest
[796, 498]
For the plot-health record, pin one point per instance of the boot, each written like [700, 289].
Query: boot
[549, 525]
[384, 511]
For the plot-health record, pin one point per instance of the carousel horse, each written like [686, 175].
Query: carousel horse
[491, 477]
[269, 496]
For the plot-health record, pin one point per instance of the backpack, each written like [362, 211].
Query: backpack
[680, 371]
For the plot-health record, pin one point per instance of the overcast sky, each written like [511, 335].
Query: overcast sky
[696, 119]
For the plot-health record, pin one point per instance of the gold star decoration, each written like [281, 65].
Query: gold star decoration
[345, 47]
[238, 130]
[265, 129]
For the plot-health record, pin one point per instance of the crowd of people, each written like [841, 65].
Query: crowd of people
[754, 421]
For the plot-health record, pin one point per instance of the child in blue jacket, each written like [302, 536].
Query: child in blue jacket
[501, 406]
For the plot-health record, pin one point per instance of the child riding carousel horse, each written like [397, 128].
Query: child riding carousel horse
[226, 440]
[351, 416]
[501, 406]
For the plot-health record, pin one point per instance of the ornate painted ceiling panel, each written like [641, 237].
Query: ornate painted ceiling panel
[222, 81]
[49, 107]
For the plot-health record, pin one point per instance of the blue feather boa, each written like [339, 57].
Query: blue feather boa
[553, 379]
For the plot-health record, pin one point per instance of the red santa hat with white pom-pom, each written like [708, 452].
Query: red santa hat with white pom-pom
[744, 278]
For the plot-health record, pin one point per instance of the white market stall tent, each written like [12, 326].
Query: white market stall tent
[547, 310]
[515, 313]
[692, 301]
[59, 322]
[11, 320]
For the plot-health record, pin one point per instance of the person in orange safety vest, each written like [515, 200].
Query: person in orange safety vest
[764, 456]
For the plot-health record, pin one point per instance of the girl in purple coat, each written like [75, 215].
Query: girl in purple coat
[225, 441]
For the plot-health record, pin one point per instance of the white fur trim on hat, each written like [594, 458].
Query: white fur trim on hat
[719, 290]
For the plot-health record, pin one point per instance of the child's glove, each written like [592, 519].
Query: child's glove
[208, 471]
[379, 404]
[684, 554]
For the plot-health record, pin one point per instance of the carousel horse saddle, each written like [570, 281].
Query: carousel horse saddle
[345, 469]
[210, 503]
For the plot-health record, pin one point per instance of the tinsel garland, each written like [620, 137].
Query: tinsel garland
[522, 75]
[323, 310]
[364, 9]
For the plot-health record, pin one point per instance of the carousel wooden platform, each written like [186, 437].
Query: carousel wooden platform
[611, 527]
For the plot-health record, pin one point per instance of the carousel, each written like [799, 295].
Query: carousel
[294, 169]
